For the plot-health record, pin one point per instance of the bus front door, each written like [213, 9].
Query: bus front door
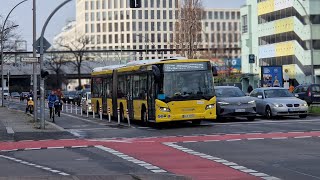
[130, 96]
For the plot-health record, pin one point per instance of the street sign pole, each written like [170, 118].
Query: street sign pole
[35, 79]
[42, 109]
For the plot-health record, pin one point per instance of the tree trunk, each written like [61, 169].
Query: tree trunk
[79, 75]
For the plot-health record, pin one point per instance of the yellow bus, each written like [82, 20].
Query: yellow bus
[156, 90]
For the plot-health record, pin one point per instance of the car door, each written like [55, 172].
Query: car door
[254, 94]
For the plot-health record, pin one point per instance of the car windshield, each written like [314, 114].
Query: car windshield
[274, 93]
[15, 93]
[229, 92]
[188, 85]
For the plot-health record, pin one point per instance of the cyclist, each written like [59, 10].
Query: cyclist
[52, 98]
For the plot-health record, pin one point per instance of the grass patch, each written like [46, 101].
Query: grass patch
[314, 110]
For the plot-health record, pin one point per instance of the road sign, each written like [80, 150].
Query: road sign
[252, 58]
[30, 60]
[46, 45]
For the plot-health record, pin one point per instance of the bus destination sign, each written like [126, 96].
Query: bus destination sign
[185, 67]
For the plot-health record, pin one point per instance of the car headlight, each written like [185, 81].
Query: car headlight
[164, 109]
[210, 106]
[252, 102]
[304, 105]
[278, 105]
[223, 103]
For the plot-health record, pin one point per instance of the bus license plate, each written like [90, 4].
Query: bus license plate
[188, 116]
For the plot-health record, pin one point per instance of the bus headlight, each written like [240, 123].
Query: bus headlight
[164, 109]
[210, 106]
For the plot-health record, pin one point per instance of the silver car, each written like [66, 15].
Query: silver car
[232, 102]
[278, 102]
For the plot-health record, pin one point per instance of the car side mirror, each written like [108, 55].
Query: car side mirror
[259, 97]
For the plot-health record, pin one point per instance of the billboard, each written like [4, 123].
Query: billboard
[271, 76]
[226, 66]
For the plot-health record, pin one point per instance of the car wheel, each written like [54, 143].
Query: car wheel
[303, 116]
[251, 118]
[268, 113]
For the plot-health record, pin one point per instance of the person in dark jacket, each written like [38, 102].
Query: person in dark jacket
[250, 89]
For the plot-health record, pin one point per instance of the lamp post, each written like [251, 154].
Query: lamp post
[311, 43]
[42, 109]
[2, 36]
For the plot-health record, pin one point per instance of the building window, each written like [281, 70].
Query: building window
[92, 5]
[134, 26]
[164, 26]
[92, 28]
[140, 14]
[244, 23]
[210, 15]
[238, 15]
[103, 4]
[87, 28]
[128, 38]
[146, 26]
[159, 26]
[122, 26]
[159, 37]
[98, 16]
[170, 15]
[221, 15]
[230, 26]
[86, 17]
[152, 26]
[92, 16]
[170, 26]
[165, 38]
[164, 13]
[152, 3]
[110, 4]
[110, 27]
[134, 14]
[235, 26]
[158, 14]
[233, 15]
[98, 39]
[128, 26]
[212, 26]
[104, 39]
[227, 15]
[116, 29]
[170, 4]
[158, 3]
[98, 27]
[110, 15]
[116, 38]
[152, 14]
[115, 3]
[140, 26]
[204, 15]
[121, 4]
[164, 5]
[104, 16]
[146, 14]
[98, 4]
[216, 15]
[146, 3]
[116, 15]
[86, 5]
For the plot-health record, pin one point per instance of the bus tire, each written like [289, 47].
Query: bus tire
[196, 122]
[144, 115]
[121, 113]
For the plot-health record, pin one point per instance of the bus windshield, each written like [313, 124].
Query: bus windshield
[188, 85]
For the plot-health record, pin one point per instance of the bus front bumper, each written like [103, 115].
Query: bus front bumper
[170, 117]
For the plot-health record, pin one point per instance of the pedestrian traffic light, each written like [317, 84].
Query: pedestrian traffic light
[252, 58]
[44, 74]
[135, 3]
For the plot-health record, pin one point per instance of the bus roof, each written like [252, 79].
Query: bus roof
[136, 65]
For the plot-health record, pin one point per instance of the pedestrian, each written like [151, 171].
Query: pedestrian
[52, 98]
[250, 89]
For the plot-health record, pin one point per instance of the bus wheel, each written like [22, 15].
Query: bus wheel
[144, 117]
[196, 122]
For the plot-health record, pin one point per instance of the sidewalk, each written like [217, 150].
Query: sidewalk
[16, 125]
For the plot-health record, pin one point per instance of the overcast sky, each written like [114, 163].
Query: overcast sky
[22, 15]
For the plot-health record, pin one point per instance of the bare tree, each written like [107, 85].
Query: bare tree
[55, 63]
[9, 37]
[188, 28]
[77, 47]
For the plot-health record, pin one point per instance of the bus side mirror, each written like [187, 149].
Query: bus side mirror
[156, 73]
[214, 71]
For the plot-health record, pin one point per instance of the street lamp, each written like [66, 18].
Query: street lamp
[2, 62]
[311, 43]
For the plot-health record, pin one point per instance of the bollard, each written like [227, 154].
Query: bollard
[93, 112]
[62, 107]
[81, 111]
[76, 109]
[87, 110]
[71, 108]
[128, 117]
[100, 111]
[118, 110]
[66, 108]
[109, 114]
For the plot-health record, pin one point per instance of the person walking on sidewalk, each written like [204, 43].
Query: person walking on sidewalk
[52, 98]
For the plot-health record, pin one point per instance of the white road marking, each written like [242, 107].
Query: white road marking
[146, 165]
[34, 165]
[255, 138]
[222, 161]
[279, 138]
[234, 139]
[300, 137]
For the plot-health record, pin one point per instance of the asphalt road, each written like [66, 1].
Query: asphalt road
[286, 148]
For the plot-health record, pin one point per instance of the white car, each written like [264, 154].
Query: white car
[86, 102]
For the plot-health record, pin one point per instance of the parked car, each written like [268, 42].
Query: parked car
[71, 95]
[232, 102]
[15, 95]
[86, 102]
[308, 92]
[24, 96]
[278, 102]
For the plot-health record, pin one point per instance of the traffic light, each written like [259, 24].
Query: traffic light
[44, 74]
[135, 3]
[252, 58]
